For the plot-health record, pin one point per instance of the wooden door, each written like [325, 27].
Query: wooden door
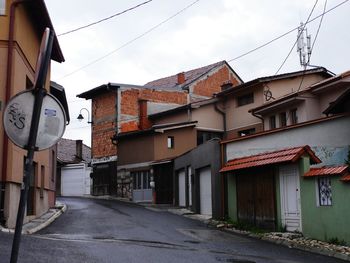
[245, 198]
[256, 203]
[265, 213]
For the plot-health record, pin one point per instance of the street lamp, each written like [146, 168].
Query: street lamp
[81, 117]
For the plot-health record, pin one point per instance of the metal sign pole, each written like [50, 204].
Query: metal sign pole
[39, 93]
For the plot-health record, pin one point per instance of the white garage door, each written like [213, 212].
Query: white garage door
[182, 188]
[72, 181]
[205, 191]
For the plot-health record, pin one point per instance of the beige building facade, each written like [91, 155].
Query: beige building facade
[21, 27]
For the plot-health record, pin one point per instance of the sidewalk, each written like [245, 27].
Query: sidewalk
[41, 222]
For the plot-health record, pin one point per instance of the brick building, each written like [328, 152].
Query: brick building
[123, 108]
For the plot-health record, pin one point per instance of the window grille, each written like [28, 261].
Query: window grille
[325, 191]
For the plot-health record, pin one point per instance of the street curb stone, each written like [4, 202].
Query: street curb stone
[62, 208]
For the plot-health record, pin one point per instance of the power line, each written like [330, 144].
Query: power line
[284, 34]
[267, 92]
[104, 19]
[318, 30]
[313, 44]
[131, 41]
[301, 32]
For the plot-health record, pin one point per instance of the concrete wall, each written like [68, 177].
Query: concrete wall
[181, 116]
[136, 149]
[185, 139]
[329, 139]
[238, 117]
[325, 222]
[199, 158]
[208, 118]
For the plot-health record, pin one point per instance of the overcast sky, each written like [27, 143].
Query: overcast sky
[204, 33]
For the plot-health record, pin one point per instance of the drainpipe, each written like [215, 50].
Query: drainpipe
[259, 117]
[223, 113]
[11, 43]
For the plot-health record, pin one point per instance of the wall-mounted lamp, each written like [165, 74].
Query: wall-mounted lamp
[81, 117]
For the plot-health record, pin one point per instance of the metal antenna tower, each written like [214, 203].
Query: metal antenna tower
[302, 35]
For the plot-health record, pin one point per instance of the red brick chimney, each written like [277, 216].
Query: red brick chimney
[144, 122]
[181, 78]
[79, 149]
[226, 85]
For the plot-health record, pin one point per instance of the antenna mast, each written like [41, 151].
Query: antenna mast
[302, 34]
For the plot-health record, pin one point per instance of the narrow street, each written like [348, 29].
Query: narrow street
[110, 231]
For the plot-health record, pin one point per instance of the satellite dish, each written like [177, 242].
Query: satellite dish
[17, 120]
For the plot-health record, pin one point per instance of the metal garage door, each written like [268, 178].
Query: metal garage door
[72, 181]
[205, 191]
[182, 188]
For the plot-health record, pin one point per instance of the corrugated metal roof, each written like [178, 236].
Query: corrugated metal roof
[280, 156]
[323, 171]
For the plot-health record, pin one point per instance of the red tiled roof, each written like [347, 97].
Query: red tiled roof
[323, 171]
[345, 178]
[280, 156]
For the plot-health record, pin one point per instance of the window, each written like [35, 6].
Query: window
[141, 180]
[245, 99]
[203, 136]
[283, 119]
[272, 122]
[170, 142]
[324, 191]
[246, 132]
[2, 7]
[293, 116]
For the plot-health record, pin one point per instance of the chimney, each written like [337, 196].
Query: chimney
[79, 149]
[226, 85]
[181, 78]
[144, 122]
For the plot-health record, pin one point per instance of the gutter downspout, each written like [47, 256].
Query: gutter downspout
[223, 188]
[7, 98]
[259, 117]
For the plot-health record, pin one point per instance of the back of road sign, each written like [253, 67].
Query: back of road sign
[18, 116]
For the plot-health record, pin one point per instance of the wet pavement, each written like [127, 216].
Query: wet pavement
[94, 230]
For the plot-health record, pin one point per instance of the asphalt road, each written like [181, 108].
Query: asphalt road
[111, 231]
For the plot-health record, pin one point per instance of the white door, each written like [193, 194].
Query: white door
[142, 191]
[290, 197]
[182, 188]
[205, 191]
[73, 180]
[189, 186]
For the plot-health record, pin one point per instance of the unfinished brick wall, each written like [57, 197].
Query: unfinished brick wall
[212, 84]
[130, 108]
[103, 127]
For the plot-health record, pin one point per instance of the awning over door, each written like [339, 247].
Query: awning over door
[275, 157]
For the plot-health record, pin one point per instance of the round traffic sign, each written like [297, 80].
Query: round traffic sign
[17, 120]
